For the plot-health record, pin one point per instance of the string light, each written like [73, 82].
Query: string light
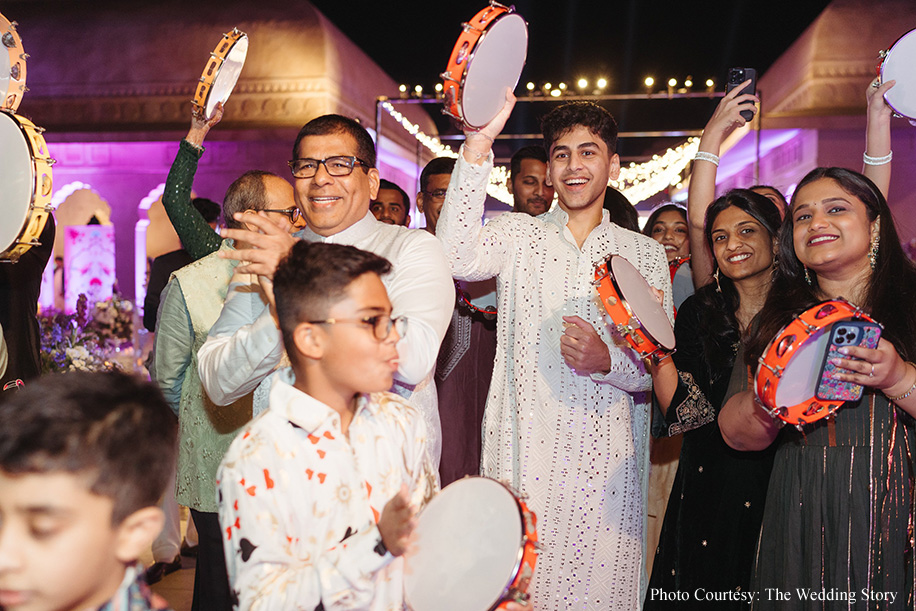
[637, 181]
[641, 181]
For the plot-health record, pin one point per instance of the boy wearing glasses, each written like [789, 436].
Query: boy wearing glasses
[318, 494]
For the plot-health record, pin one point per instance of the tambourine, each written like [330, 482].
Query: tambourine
[488, 58]
[475, 549]
[787, 373]
[899, 64]
[25, 176]
[629, 302]
[222, 71]
[12, 76]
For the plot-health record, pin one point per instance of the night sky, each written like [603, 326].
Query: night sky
[624, 41]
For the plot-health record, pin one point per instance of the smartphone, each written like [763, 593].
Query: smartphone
[846, 333]
[736, 76]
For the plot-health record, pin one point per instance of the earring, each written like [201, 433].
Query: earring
[808, 277]
[715, 275]
[875, 240]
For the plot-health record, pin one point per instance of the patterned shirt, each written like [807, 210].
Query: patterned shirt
[299, 501]
[576, 444]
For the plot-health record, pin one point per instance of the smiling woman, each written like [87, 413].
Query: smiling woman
[849, 474]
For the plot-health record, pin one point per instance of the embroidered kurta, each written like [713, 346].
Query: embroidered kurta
[300, 501]
[576, 444]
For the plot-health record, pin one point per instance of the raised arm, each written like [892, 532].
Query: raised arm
[473, 252]
[702, 190]
[197, 237]
[878, 136]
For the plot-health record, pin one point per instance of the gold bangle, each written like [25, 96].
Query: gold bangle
[907, 393]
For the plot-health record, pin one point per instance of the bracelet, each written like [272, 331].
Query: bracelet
[466, 136]
[477, 153]
[869, 160]
[704, 156]
[907, 393]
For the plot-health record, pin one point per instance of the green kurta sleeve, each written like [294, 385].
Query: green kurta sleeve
[197, 237]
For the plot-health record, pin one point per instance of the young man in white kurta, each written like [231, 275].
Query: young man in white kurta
[571, 435]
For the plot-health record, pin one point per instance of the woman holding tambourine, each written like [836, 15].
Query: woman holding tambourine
[840, 501]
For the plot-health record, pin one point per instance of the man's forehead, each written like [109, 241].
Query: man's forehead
[389, 196]
[576, 136]
[338, 143]
[440, 180]
[533, 166]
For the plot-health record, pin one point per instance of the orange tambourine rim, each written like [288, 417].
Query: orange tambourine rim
[782, 348]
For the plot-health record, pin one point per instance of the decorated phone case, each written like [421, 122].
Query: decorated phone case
[847, 333]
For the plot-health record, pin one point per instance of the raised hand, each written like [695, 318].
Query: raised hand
[479, 142]
[259, 251]
[201, 125]
[727, 116]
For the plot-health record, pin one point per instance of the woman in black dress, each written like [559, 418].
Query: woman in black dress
[710, 529]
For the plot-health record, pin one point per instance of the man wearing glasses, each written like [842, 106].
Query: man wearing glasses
[335, 180]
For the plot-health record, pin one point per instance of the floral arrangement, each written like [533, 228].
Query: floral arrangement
[84, 341]
[113, 321]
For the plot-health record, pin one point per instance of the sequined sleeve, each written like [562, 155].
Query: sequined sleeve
[474, 251]
[197, 237]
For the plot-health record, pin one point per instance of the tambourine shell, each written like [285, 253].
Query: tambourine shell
[27, 183]
[13, 73]
[497, 40]
[777, 367]
[897, 64]
[221, 71]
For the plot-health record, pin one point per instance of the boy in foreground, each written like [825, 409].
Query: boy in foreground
[84, 458]
[318, 494]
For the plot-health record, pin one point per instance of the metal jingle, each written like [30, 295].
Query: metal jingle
[52, 162]
[883, 53]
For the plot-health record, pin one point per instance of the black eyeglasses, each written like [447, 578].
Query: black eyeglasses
[335, 166]
[381, 324]
[437, 194]
[292, 214]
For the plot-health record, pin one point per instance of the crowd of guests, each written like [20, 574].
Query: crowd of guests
[332, 369]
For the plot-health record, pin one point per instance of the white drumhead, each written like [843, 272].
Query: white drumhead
[497, 63]
[469, 539]
[648, 311]
[900, 65]
[799, 380]
[228, 74]
[17, 179]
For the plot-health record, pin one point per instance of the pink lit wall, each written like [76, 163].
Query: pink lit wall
[123, 173]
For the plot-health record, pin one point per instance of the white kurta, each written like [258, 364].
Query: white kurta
[575, 444]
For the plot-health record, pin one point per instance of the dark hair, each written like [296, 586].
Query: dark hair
[891, 292]
[247, 192]
[526, 152]
[562, 119]
[208, 208]
[782, 198]
[621, 211]
[326, 125]
[112, 428]
[315, 276]
[387, 184]
[439, 165]
[647, 228]
[720, 305]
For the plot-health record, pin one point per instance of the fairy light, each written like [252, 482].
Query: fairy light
[641, 181]
[637, 181]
